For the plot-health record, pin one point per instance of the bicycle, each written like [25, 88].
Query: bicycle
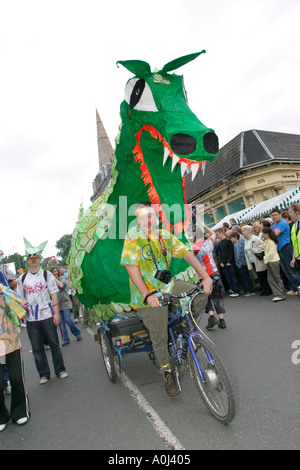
[197, 353]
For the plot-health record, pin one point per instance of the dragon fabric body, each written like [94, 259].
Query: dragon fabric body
[160, 140]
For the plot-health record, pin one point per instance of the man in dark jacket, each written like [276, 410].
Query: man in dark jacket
[226, 260]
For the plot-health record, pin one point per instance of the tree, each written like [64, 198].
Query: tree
[45, 263]
[63, 246]
[16, 258]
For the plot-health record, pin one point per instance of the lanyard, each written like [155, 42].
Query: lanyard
[163, 249]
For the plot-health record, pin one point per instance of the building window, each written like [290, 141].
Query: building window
[289, 187]
[221, 213]
[209, 220]
[236, 205]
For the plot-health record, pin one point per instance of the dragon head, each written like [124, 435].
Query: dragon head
[169, 140]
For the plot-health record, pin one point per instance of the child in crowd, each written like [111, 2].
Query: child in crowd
[226, 260]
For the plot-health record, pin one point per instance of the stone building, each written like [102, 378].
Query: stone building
[106, 156]
[252, 167]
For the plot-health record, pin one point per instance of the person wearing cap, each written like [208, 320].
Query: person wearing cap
[39, 289]
[148, 250]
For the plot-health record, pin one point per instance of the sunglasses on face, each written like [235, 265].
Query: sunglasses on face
[32, 256]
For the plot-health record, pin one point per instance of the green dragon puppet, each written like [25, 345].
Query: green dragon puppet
[160, 139]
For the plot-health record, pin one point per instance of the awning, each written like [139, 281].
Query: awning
[282, 201]
[237, 216]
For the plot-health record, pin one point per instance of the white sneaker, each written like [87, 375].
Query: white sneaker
[291, 292]
[2, 427]
[43, 380]
[277, 299]
[235, 294]
[22, 421]
[63, 374]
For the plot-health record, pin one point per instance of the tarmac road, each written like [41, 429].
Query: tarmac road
[86, 411]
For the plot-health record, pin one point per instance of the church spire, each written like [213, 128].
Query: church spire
[105, 151]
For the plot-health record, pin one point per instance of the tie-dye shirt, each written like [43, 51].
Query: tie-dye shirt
[9, 337]
[137, 252]
[13, 301]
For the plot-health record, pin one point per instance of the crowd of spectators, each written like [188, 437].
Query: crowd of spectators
[262, 257]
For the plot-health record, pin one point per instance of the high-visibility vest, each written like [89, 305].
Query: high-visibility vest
[295, 238]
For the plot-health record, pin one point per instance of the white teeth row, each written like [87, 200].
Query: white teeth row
[194, 167]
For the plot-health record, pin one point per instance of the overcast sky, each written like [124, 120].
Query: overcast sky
[58, 65]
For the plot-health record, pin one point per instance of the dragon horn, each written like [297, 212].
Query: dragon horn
[175, 64]
[138, 67]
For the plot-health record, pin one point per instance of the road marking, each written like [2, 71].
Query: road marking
[159, 425]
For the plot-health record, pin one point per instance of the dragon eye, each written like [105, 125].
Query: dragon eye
[139, 96]
[137, 93]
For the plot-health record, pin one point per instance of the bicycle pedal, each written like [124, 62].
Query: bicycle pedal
[178, 385]
[176, 376]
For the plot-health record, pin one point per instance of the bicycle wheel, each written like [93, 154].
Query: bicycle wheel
[107, 354]
[215, 390]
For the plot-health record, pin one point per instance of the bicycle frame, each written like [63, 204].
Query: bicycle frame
[190, 333]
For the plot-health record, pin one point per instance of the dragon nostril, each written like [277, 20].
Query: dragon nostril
[211, 143]
[183, 144]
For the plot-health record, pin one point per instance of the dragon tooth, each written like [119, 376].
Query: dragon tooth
[183, 168]
[194, 168]
[166, 154]
[174, 161]
[203, 166]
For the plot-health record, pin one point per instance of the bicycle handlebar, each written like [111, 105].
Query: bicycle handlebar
[184, 294]
[168, 297]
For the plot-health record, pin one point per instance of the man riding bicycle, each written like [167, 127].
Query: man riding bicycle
[147, 255]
